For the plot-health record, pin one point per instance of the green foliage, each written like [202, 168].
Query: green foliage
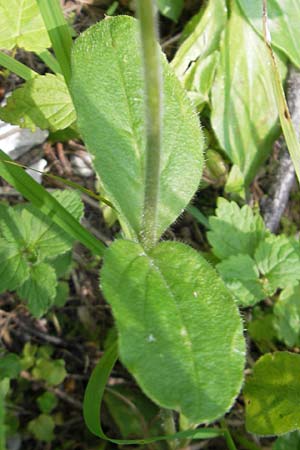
[234, 230]
[241, 275]
[278, 260]
[43, 101]
[163, 299]
[170, 8]
[21, 25]
[47, 402]
[42, 428]
[254, 262]
[29, 242]
[4, 387]
[10, 366]
[284, 16]
[51, 370]
[197, 58]
[287, 316]
[288, 442]
[271, 395]
[244, 110]
[110, 108]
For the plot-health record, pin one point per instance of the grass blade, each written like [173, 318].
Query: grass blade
[18, 68]
[93, 400]
[288, 128]
[47, 204]
[59, 34]
[50, 61]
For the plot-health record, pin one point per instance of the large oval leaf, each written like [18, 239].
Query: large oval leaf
[272, 395]
[244, 109]
[107, 88]
[180, 332]
[284, 18]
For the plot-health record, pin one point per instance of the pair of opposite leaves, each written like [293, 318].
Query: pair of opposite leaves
[180, 333]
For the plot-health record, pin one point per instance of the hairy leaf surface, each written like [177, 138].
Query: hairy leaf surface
[235, 230]
[108, 93]
[283, 23]
[43, 101]
[272, 395]
[21, 25]
[244, 110]
[180, 333]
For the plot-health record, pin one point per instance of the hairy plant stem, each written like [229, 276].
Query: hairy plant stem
[153, 111]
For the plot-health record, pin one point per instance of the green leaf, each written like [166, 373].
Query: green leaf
[93, 400]
[4, 388]
[272, 395]
[39, 291]
[261, 330]
[21, 25]
[109, 99]
[160, 301]
[170, 8]
[196, 59]
[42, 428]
[278, 260]
[287, 316]
[241, 276]
[290, 441]
[235, 230]
[62, 264]
[47, 204]
[131, 411]
[14, 268]
[10, 366]
[62, 293]
[244, 110]
[284, 17]
[43, 102]
[47, 402]
[52, 371]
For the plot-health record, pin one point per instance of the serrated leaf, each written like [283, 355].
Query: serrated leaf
[52, 371]
[62, 293]
[272, 395]
[42, 234]
[244, 110]
[171, 310]
[42, 428]
[170, 8]
[196, 59]
[13, 266]
[235, 230]
[241, 276]
[39, 291]
[290, 441]
[283, 23]
[262, 332]
[42, 102]
[278, 260]
[109, 99]
[287, 316]
[10, 366]
[21, 25]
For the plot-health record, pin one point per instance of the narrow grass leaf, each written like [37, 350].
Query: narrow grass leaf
[93, 400]
[17, 67]
[283, 110]
[59, 34]
[47, 204]
[50, 61]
